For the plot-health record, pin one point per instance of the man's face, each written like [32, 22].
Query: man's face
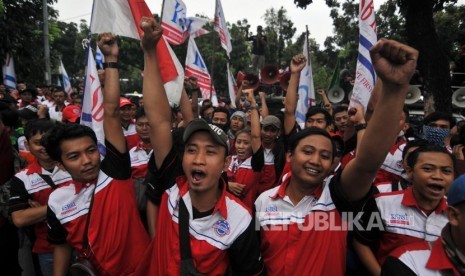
[444, 124]
[81, 158]
[236, 124]
[220, 118]
[203, 162]
[431, 176]
[243, 146]
[26, 97]
[340, 120]
[126, 113]
[269, 134]
[78, 102]
[311, 160]
[317, 120]
[143, 128]
[59, 97]
[207, 114]
[34, 146]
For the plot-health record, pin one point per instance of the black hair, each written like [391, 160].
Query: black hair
[296, 137]
[417, 143]
[413, 156]
[338, 109]
[10, 117]
[221, 109]
[203, 109]
[319, 110]
[140, 112]
[37, 126]
[52, 139]
[439, 116]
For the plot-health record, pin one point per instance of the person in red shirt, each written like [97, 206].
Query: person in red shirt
[31, 188]
[411, 215]
[127, 123]
[445, 256]
[219, 228]
[246, 165]
[302, 219]
[98, 205]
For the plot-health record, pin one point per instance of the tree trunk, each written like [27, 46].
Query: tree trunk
[432, 62]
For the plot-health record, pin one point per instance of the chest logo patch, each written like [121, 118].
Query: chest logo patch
[222, 228]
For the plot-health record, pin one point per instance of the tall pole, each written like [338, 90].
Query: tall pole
[48, 74]
[307, 34]
[212, 67]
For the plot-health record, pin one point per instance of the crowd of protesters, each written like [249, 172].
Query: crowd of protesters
[197, 189]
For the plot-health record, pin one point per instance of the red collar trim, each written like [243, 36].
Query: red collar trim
[142, 145]
[220, 204]
[409, 200]
[438, 259]
[78, 186]
[282, 189]
[34, 167]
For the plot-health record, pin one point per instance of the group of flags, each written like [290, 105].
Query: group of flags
[122, 17]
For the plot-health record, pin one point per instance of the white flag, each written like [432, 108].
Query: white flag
[174, 21]
[195, 26]
[365, 75]
[8, 69]
[122, 17]
[66, 83]
[222, 28]
[306, 88]
[231, 87]
[92, 103]
[195, 66]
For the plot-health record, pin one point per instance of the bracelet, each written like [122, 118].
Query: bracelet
[360, 127]
[110, 65]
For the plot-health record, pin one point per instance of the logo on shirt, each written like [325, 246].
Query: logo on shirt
[271, 209]
[36, 181]
[402, 219]
[222, 228]
[399, 164]
[65, 209]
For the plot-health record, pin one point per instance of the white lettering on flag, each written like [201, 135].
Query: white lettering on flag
[9, 75]
[365, 76]
[92, 103]
[195, 66]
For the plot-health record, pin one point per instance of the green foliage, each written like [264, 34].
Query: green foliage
[279, 30]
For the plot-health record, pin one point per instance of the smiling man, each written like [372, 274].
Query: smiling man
[218, 228]
[95, 213]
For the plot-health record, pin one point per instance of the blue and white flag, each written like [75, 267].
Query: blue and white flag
[99, 58]
[66, 83]
[195, 66]
[92, 103]
[365, 75]
[8, 69]
[306, 88]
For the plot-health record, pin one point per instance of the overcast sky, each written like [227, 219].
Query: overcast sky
[316, 16]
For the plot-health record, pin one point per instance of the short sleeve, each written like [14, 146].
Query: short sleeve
[18, 196]
[163, 178]
[56, 232]
[116, 164]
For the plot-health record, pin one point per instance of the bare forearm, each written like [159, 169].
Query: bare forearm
[30, 216]
[367, 258]
[186, 108]
[61, 259]
[152, 218]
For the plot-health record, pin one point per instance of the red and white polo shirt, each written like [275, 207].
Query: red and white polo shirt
[117, 238]
[422, 258]
[224, 237]
[27, 185]
[139, 161]
[131, 136]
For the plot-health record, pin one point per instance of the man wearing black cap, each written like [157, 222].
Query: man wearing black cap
[219, 230]
[28, 96]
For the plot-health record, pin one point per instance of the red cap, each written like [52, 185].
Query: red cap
[71, 113]
[123, 101]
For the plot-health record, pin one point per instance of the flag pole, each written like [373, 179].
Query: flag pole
[212, 67]
[307, 34]
[162, 8]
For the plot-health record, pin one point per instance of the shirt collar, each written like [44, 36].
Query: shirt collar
[34, 167]
[220, 205]
[438, 259]
[409, 200]
[142, 145]
[78, 186]
[281, 192]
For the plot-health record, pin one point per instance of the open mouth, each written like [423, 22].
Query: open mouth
[312, 171]
[435, 188]
[198, 175]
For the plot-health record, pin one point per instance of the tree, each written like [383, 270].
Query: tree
[279, 30]
[22, 35]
